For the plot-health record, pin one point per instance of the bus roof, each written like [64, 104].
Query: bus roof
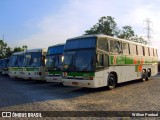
[57, 45]
[55, 49]
[37, 50]
[18, 53]
[110, 37]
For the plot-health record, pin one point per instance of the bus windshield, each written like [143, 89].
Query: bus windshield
[81, 43]
[81, 60]
[5, 63]
[33, 59]
[54, 61]
[20, 60]
[13, 61]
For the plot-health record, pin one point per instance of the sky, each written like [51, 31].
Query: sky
[42, 23]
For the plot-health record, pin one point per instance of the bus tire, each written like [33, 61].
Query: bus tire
[148, 74]
[144, 75]
[111, 81]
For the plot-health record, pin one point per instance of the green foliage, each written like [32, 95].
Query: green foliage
[19, 49]
[107, 26]
[3, 46]
[126, 32]
[6, 51]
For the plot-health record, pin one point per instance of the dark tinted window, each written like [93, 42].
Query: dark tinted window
[55, 50]
[81, 43]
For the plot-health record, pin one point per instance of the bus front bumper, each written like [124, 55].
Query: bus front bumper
[53, 79]
[79, 83]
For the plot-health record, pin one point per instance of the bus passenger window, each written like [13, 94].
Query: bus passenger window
[125, 49]
[103, 44]
[99, 62]
[115, 46]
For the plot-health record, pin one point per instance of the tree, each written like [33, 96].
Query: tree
[106, 25]
[19, 49]
[126, 32]
[138, 39]
[3, 46]
[24, 47]
[9, 52]
[6, 51]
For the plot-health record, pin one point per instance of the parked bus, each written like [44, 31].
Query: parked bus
[1, 66]
[5, 66]
[16, 65]
[34, 64]
[99, 60]
[54, 63]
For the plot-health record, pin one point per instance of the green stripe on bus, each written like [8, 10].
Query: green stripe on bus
[125, 60]
[81, 74]
[54, 72]
[32, 69]
[16, 69]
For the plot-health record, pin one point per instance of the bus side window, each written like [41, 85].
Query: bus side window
[155, 52]
[151, 52]
[125, 49]
[115, 46]
[133, 49]
[103, 44]
[140, 50]
[99, 63]
[146, 51]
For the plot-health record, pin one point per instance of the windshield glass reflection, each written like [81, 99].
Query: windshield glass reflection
[79, 60]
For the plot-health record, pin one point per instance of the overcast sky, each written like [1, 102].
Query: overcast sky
[41, 23]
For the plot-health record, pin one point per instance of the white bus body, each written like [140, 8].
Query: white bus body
[99, 60]
[34, 65]
[16, 65]
[54, 63]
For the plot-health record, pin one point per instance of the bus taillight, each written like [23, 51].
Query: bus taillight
[91, 78]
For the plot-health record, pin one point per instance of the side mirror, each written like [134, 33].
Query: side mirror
[43, 60]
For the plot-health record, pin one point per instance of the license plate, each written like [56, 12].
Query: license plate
[74, 83]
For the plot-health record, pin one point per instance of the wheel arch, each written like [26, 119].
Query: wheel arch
[115, 74]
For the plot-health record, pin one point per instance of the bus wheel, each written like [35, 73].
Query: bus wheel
[148, 74]
[111, 81]
[144, 75]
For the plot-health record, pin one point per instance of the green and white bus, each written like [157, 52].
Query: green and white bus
[1, 61]
[15, 65]
[99, 60]
[5, 62]
[34, 64]
[54, 59]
